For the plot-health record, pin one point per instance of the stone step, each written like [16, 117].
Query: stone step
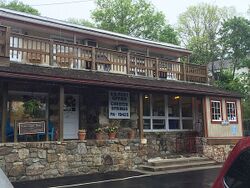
[177, 166]
[165, 162]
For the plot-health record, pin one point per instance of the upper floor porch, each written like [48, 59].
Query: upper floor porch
[45, 51]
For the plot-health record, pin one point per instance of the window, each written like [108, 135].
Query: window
[231, 112]
[239, 173]
[216, 110]
[161, 112]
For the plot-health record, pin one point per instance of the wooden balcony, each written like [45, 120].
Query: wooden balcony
[42, 51]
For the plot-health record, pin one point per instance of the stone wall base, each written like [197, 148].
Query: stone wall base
[39, 160]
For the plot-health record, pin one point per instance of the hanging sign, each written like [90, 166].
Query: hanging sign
[31, 127]
[119, 105]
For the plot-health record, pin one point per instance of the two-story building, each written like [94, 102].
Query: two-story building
[57, 78]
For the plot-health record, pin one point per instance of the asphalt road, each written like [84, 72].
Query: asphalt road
[192, 179]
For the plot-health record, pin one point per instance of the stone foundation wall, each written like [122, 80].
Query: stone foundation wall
[218, 153]
[31, 161]
[161, 144]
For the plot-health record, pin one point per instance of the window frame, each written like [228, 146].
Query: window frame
[166, 116]
[214, 121]
[236, 112]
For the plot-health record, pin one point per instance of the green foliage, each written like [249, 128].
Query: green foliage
[19, 6]
[81, 22]
[235, 39]
[137, 18]
[32, 108]
[229, 82]
[198, 27]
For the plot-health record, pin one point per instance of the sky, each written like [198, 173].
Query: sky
[82, 8]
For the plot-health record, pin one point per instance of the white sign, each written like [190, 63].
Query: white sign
[119, 105]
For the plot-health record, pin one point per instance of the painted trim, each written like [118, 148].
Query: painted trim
[212, 99]
[236, 111]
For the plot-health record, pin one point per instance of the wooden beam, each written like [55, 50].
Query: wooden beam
[4, 110]
[47, 117]
[61, 112]
[141, 116]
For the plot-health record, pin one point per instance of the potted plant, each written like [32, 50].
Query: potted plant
[112, 132]
[113, 128]
[98, 133]
[82, 134]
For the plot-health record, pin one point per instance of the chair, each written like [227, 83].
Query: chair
[51, 133]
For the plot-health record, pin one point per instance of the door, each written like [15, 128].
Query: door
[71, 117]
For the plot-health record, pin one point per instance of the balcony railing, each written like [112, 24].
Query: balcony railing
[42, 51]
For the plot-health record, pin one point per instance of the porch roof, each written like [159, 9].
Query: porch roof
[60, 75]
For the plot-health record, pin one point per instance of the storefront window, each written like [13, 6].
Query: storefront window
[174, 106]
[146, 105]
[159, 124]
[158, 105]
[24, 108]
[174, 124]
[186, 104]
[179, 114]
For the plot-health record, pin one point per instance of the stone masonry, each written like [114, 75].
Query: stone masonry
[39, 160]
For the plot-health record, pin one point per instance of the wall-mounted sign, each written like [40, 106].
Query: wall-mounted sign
[119, 105]
[225, 122]
[234, 130]
[31, 127]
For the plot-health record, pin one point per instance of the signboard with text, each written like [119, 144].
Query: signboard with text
[119, 105]
[31, 127]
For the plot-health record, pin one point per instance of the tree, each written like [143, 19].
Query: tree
[19, 6]
[81, 22]
[198, 27]
[235, 39]
[137, 18]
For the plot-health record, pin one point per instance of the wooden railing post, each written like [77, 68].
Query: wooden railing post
[93, 66]
[128, 63]
[51, 60]
[185, 69]
[206, 74]
[157, 68]
[7, 45]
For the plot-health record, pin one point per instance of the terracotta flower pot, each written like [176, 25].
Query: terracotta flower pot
[81, 135]
[112, 135]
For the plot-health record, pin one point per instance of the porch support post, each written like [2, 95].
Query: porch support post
[4, 110]
[61, 105]
[141, 116]
[47, 116]
[205, 116]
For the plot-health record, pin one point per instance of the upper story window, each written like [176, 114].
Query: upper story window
[216, 110]
[231, 111]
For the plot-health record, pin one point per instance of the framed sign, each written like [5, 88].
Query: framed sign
[25, 128]
[119, 105]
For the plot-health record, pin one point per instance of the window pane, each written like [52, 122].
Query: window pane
[231, 111]
[187, 107]
[173, 106]
[216, 110]
[146, 105]
[174, 124]
[146, 124]
[158, 105]
[187, 124]
[27, 107]
[238, 176]
[158, 124]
